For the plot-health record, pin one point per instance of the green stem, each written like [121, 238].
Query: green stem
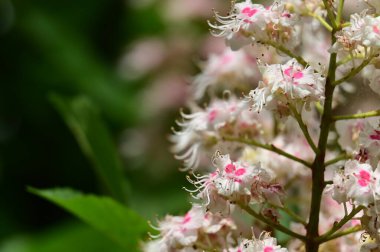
[286, 51]
[330, 14]
[327, 236]
[293, 215]
[303, 127]
[357, 116]
[321, 20]
[354, 71]
[318, 166]
[342, 156]
[340, 10]
[270, 147]
[269, 222]
[343, 233]
[349, 58]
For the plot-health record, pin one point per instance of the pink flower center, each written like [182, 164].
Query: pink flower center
[364, 178]
[240, 172]
[249, 11]
[293, 74]
[287, 15]
[186, 219]
[376, 29]
[230, 168]
[375, 136]
[212, 115]
[268, 249]
[226, 59]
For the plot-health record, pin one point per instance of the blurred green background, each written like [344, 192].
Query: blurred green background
[68, 109]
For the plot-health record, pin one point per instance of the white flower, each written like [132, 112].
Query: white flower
[370, 141]
[265, 243]
[349, 131]
[230, 69]
[183, 233]
[357, 183]
[199, 130]
[363, 33]
[237, 181]
[372, 32]
[253, 22]
[202, 132]
[372, 74]
[288, 83]
[284, 168]
[338, 188]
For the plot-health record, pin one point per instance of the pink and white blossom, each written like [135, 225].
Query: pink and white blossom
[288, 83]
[250, 23]
[229, 70]
[237, 181]
[370, 141]
[265, 243]
[358, 182]
[196, 228]
[202, 130]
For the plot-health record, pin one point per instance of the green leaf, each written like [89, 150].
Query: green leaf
[82, 118]
[69, 237]
[122, 225]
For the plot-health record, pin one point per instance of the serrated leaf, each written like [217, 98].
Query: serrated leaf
[119, 223]
[95, 141]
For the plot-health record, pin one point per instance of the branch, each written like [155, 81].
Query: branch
[286, 51]
[293, 215]
[357, 116]
[330, 14]
[343, 233]
[270, 147]
[271, 223]
[342, 156]
[327, 236]
[354, 71]
[304, 129]
[340, 10]
[321, 20]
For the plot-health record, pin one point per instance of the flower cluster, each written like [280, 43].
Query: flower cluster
[250, 23]
[265, 243]
[281, 138]
[228, 69]
[362, 35]
[197, 230]
[372, 74]
[237, 182]
[359, 181]
[202, 130]
[290, 83]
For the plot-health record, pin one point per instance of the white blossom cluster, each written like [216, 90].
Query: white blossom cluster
[266, 142]
[250, 22]
[359, 181]
[290, 83]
